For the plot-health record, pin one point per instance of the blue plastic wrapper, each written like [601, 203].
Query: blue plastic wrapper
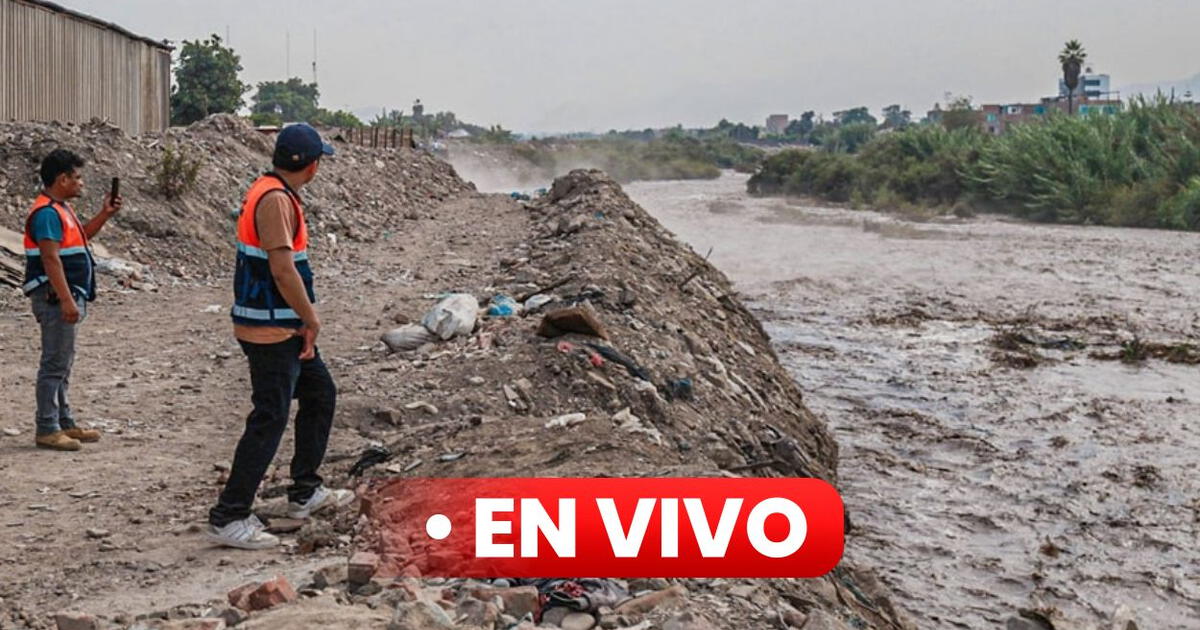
[502, 306]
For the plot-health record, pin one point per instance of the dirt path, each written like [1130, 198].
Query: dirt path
[989, 461]
[162, 375]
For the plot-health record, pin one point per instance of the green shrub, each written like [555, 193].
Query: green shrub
[176, 172]
[1182, 211]
[1139, 167]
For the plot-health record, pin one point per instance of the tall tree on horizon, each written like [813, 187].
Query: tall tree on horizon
[206, 81]
[1072, 57]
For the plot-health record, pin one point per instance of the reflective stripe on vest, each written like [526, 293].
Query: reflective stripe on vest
[73, 251]
[257, 300]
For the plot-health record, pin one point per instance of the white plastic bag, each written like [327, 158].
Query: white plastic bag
[407, 338]
[454, 315]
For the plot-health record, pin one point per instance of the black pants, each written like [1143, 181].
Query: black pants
[277, 375]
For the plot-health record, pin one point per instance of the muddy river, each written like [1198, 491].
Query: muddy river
[1017, 405]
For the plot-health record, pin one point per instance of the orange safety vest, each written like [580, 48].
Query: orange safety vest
[257, 300]
[74, 251]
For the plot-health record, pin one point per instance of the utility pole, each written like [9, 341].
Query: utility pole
[287, 55]
[314, 55]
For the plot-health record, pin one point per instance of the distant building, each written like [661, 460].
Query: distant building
[934, 115]
[997, 119]
[418, 110]
[1092, 86]
[777, 124]
[58, 64]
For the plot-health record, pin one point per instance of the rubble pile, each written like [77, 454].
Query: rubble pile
[629, 355]
[690, 386]
[362, 194]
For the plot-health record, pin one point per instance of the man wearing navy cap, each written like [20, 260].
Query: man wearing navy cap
[277, 325]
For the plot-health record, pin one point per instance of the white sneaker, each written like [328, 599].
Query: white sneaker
[248, 533]
[322, 499]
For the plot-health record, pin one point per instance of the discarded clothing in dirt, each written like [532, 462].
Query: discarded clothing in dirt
[591, 356]
[631, 366]
[371, 456]
[577, 594]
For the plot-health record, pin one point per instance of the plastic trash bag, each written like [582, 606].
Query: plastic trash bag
[454, 315]
[408, 337]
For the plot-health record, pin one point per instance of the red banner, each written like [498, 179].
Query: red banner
[604, 527]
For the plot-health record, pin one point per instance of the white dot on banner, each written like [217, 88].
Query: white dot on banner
[438, 526]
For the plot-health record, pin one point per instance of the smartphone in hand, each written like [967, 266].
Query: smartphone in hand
[115, 191]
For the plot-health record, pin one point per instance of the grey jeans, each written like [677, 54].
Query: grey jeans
[58, 355]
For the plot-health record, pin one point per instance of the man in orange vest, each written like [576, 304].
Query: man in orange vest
[60, 280]
[277, 325]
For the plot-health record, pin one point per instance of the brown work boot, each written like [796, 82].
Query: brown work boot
[83, 435]
[57, 441]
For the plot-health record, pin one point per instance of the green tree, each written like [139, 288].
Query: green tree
[823, 134]
[800, 128]
[855, 116]
[390, 118]
[339, 118]
[850, 138]
[896, 118]
[960, 114]
[744, 133]
[206, 81]
[290, 101]
[1071, 58]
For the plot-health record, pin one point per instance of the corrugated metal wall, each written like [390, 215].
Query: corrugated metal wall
[54, 66]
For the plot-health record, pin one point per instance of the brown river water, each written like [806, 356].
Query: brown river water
[996, 454]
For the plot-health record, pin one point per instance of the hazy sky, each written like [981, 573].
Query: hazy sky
[552, 65]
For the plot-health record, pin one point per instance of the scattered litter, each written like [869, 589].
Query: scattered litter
[427, 407]
[212, 309]
[409, 337]
[454, 315]
[575, 319]
[371, 456]
[503, 306]
[568, 420]
[591, 356]
[538, 301]
[631, 366]
[12, 431]
[451, 457]
[587, 595]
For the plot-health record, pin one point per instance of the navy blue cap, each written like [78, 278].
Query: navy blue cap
[298, 145]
